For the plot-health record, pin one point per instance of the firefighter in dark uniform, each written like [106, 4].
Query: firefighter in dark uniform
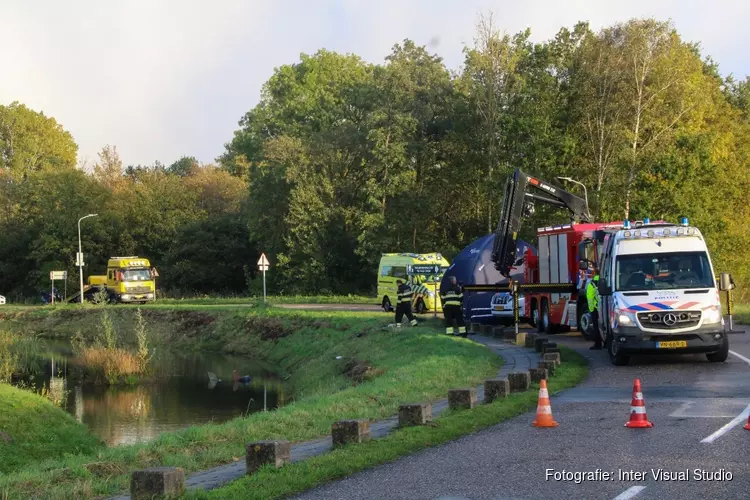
[405, 295]
[453, 300]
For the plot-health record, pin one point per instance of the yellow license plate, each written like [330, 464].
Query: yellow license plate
[498, 308]
[671, 344]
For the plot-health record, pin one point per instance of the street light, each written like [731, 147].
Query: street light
[585, 193]
[80, 252]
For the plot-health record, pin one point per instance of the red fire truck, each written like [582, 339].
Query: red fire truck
[555, 279]
[565, 255]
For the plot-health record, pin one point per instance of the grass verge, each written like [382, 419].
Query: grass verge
[32, 429]
[741, 313]
[274, 299]
[378, 370]
[270, 483]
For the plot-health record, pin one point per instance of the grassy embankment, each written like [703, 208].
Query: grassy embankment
[293, 478]
[254, 300]
[379, 370]
[32, 429]
[275, 299]
[741, 313]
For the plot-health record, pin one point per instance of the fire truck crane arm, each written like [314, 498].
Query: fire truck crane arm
[518, 204]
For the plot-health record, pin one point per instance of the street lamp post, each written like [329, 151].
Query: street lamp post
[585, 193]
[80, 253]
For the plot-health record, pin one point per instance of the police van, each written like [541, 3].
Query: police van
[422, 271]
[658, 293]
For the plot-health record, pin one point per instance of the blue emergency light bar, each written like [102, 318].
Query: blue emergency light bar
[626, 224]
[646, 220]
[683, 221]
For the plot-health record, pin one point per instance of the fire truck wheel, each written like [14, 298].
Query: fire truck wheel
[581, 307]
[544, 324]
[534, 316]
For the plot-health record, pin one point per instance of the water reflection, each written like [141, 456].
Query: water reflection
[182, 395]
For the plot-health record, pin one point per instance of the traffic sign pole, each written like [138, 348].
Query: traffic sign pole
[263, 266]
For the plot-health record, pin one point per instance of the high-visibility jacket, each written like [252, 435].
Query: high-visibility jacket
[404, 294]
[592, 295]
[454, 296]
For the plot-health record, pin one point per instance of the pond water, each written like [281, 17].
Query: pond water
[182, 396]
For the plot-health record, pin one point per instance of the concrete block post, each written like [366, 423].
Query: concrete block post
[261, 453]
[549, 366]
[552, 356]
[497, 332]
[538, 374]
[519, 381]
[486, 330]
[497, 388]
[414, 414]
[350, 431]
[549, 345]
[476, 327]
[462, 398]
[539, 343]
[530, 339]
[510, 335]
[521, 339]
[157, 482]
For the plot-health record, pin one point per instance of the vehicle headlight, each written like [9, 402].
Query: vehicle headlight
[430, 293]
[625, 319]
[126, 297]
[711, 316]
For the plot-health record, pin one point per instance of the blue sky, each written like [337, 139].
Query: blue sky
[163, 78]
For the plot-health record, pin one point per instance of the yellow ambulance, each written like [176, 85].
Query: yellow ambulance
[422, 271]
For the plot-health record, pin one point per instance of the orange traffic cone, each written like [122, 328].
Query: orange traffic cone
[638, 418]
[747, 425]
[543, 409]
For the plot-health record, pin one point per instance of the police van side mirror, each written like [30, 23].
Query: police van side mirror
[604, 288]
[726, 282]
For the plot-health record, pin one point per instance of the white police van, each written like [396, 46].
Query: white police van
[658, 293]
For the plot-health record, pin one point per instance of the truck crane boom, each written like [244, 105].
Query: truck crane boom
[517, 204]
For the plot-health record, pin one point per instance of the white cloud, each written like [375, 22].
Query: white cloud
[165, 78]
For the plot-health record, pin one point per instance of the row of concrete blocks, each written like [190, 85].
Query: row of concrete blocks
[170, 481]
[499, 332]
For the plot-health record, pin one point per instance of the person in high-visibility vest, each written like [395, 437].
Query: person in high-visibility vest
[405, 295]
[453, 300]
[592, 298]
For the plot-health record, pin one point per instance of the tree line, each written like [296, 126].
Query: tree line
[342, 160]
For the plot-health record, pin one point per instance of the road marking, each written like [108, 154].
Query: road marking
[728, 427]
[630, 492]
[743, 358]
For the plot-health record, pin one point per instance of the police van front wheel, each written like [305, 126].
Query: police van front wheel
[722, 354]
[616, 357]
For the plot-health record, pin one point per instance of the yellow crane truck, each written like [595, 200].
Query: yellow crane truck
[128, 280]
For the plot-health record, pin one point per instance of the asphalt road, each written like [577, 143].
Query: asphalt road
[698, 410]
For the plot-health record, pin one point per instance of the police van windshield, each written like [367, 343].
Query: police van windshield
[663, 271]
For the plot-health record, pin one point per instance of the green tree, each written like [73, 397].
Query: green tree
[31, 141]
